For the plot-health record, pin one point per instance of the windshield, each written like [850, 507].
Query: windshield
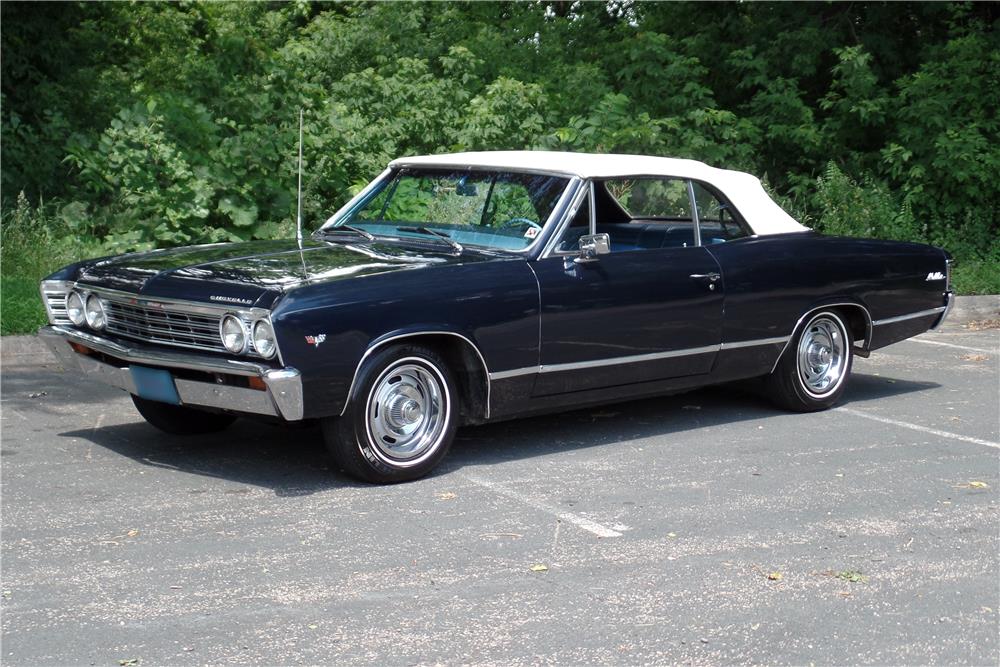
[502, 210]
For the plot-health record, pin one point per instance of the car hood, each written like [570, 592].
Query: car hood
[257, 272]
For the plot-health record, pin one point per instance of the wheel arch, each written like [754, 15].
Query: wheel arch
[857, 317]
[464, 358]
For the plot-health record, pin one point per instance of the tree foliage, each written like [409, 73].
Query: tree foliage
[154, 124]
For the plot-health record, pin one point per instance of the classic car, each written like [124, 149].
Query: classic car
[473, 287]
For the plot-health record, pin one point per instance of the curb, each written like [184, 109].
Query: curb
[971, 308]
[16, 350]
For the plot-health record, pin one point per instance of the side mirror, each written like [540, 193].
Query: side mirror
[591, 246]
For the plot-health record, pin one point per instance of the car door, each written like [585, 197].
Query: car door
[650, 309]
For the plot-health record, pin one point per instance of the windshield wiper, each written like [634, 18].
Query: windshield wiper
[357, 230]
[433, 232]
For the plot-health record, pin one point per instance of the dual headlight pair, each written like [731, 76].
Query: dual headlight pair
[86, 309]
[235, 339]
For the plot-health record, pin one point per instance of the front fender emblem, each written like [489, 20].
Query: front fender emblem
[934, 275]
[316, 340]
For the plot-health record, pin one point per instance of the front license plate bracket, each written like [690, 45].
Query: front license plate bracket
[155, 384]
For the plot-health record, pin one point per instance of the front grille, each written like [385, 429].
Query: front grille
[162, 325]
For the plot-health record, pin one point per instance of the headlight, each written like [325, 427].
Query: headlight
[234, 336]
[263, 339]
[95, 312]
[74, 309]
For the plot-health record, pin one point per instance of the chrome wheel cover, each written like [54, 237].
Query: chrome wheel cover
[822, 355]
[407, 412]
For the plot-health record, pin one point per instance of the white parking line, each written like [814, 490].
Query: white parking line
[918, 427]
[960, 347]
[568, 517]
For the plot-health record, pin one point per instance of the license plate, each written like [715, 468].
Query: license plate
[154, 384]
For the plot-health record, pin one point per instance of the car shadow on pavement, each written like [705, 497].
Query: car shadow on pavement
[292, 461]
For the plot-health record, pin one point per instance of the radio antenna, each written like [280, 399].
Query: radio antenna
[298, 215]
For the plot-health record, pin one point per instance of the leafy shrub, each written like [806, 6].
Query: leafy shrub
[867, 209]
[157, 124]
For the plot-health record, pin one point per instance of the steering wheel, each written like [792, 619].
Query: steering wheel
[520, 221]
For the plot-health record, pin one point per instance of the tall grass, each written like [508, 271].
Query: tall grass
[34, 242]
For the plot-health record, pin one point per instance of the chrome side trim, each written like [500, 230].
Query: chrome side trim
[631, 359]
[910, 316]
[754, 343]
[791, 337]
[611, 361]
[949, 299]
[514, 372]
[373, 347]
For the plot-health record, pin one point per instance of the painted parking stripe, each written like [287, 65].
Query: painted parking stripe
[918, 427]
[568, 517]
[960, 347]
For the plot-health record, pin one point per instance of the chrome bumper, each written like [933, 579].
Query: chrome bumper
[949, 301]
[282, 398]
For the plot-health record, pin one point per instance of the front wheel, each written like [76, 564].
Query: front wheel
[401, 418]
[179, 419]
[812, 373]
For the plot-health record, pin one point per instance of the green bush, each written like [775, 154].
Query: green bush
[156, 124]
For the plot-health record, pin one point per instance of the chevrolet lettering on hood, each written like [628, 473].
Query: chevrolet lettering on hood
[231, 299]
[477, 287]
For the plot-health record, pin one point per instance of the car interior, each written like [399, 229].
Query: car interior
[718, 222]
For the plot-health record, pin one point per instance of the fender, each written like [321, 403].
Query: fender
[832, 302]
[412, 332]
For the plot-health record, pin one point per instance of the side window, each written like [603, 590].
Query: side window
[652, 198]
[716, 219]
[645, 213]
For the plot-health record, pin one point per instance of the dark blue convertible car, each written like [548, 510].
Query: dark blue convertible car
[473, 287]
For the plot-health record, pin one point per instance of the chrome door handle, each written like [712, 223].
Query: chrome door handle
[710, 277]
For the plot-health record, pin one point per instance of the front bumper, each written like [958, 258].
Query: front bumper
[200, 379]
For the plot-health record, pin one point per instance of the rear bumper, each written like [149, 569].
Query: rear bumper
[204, 382]
[949, 301]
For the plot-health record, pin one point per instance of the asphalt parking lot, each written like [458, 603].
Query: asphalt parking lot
[705, 528]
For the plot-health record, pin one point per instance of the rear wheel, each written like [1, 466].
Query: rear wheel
[401, 419]
[812, 373]
[179, 419]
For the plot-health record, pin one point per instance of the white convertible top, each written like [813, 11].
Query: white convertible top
[743, 190]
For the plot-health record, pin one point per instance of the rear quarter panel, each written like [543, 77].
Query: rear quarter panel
[770, 282]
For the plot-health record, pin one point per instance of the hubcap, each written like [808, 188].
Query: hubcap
[407, 412]
[822, 356]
